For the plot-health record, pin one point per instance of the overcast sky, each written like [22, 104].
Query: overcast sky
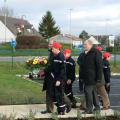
[94, 16]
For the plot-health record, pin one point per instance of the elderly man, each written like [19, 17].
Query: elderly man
[91, 74]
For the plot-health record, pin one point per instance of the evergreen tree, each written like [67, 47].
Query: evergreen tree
[47, 27]
[84, 35]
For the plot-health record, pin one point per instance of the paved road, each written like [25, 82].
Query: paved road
[22, 59]
[114, 94]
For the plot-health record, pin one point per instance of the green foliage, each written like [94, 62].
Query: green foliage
[30, 116]
[47, 27]
[117, 114]
[30, 42]
[84, 35]
[10, 117]
[79, 114]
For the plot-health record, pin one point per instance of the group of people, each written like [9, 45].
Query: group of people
[59, 75]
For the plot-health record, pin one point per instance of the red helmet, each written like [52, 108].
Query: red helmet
[67, 51]
[57, 45]
[106, 55]
[99, 48]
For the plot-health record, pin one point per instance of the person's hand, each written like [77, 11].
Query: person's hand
[108, 84]
[41, 73]
[69, 82]
[99, 84]
[57, 83]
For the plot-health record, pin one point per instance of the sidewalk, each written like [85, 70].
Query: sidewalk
[22, 111]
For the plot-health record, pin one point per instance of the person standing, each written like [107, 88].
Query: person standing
[81, 85]
[59, 77]
[70, 73]
[101, 86]
[91, 74]
[47, 85]
[106, 70]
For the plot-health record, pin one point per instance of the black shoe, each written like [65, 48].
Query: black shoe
[74, 103]
[45, 112]
[87, 112]
[74, 106]
[61, 113]
[68, 109]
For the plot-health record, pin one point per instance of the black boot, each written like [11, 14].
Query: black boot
[74, 103]
[68, 109]
[61, 110]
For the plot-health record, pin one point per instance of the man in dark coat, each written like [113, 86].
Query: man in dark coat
[70, 74]
[59, 77]
[91, 74]
[47, 85]
[81, 85]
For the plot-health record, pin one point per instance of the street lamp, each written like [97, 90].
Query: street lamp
[70, 25]
[5, 17]
[106, 26]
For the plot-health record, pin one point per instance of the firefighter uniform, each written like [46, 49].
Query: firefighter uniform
[106, 71]
[59, 74]
[70, 73]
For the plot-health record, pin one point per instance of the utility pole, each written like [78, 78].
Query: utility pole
[5, 18]
[70, 26]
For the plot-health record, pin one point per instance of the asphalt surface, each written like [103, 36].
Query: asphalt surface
[24, 58]
[114, 92]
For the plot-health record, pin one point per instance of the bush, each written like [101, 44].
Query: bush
[30, 42]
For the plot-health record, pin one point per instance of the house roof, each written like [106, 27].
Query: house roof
[13, 24]
[65, 37]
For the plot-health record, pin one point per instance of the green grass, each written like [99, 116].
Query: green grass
[16, 90]
[6, 50]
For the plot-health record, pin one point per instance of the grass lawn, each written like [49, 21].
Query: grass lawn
[15, 90]
[6, 50]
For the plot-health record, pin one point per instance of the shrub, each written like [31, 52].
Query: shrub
[30, 42]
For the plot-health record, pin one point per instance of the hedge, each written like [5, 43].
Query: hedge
[30, 42]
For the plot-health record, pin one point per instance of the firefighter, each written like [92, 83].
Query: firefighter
[59, 76]
[70, 74]
[106, 70]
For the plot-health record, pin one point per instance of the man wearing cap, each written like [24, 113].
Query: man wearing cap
[70, 73]
[59, 76]
[106, 70]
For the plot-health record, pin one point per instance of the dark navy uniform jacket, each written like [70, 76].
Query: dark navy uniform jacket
[70, 69]
[59, 68]
[106, 70]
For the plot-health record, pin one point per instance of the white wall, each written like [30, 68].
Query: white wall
[9, 34]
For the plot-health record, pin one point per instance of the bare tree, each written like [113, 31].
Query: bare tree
[6, 10]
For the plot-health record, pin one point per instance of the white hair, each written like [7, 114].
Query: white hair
[89, 41]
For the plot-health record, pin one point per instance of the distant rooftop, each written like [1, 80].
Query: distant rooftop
[13, 24]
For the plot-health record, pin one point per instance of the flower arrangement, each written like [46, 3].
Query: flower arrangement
[34, 65]
[36, 62]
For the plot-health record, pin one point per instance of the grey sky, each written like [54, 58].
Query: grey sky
[94, 16]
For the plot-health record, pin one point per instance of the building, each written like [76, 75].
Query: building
[66, 39]
[14, 27]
